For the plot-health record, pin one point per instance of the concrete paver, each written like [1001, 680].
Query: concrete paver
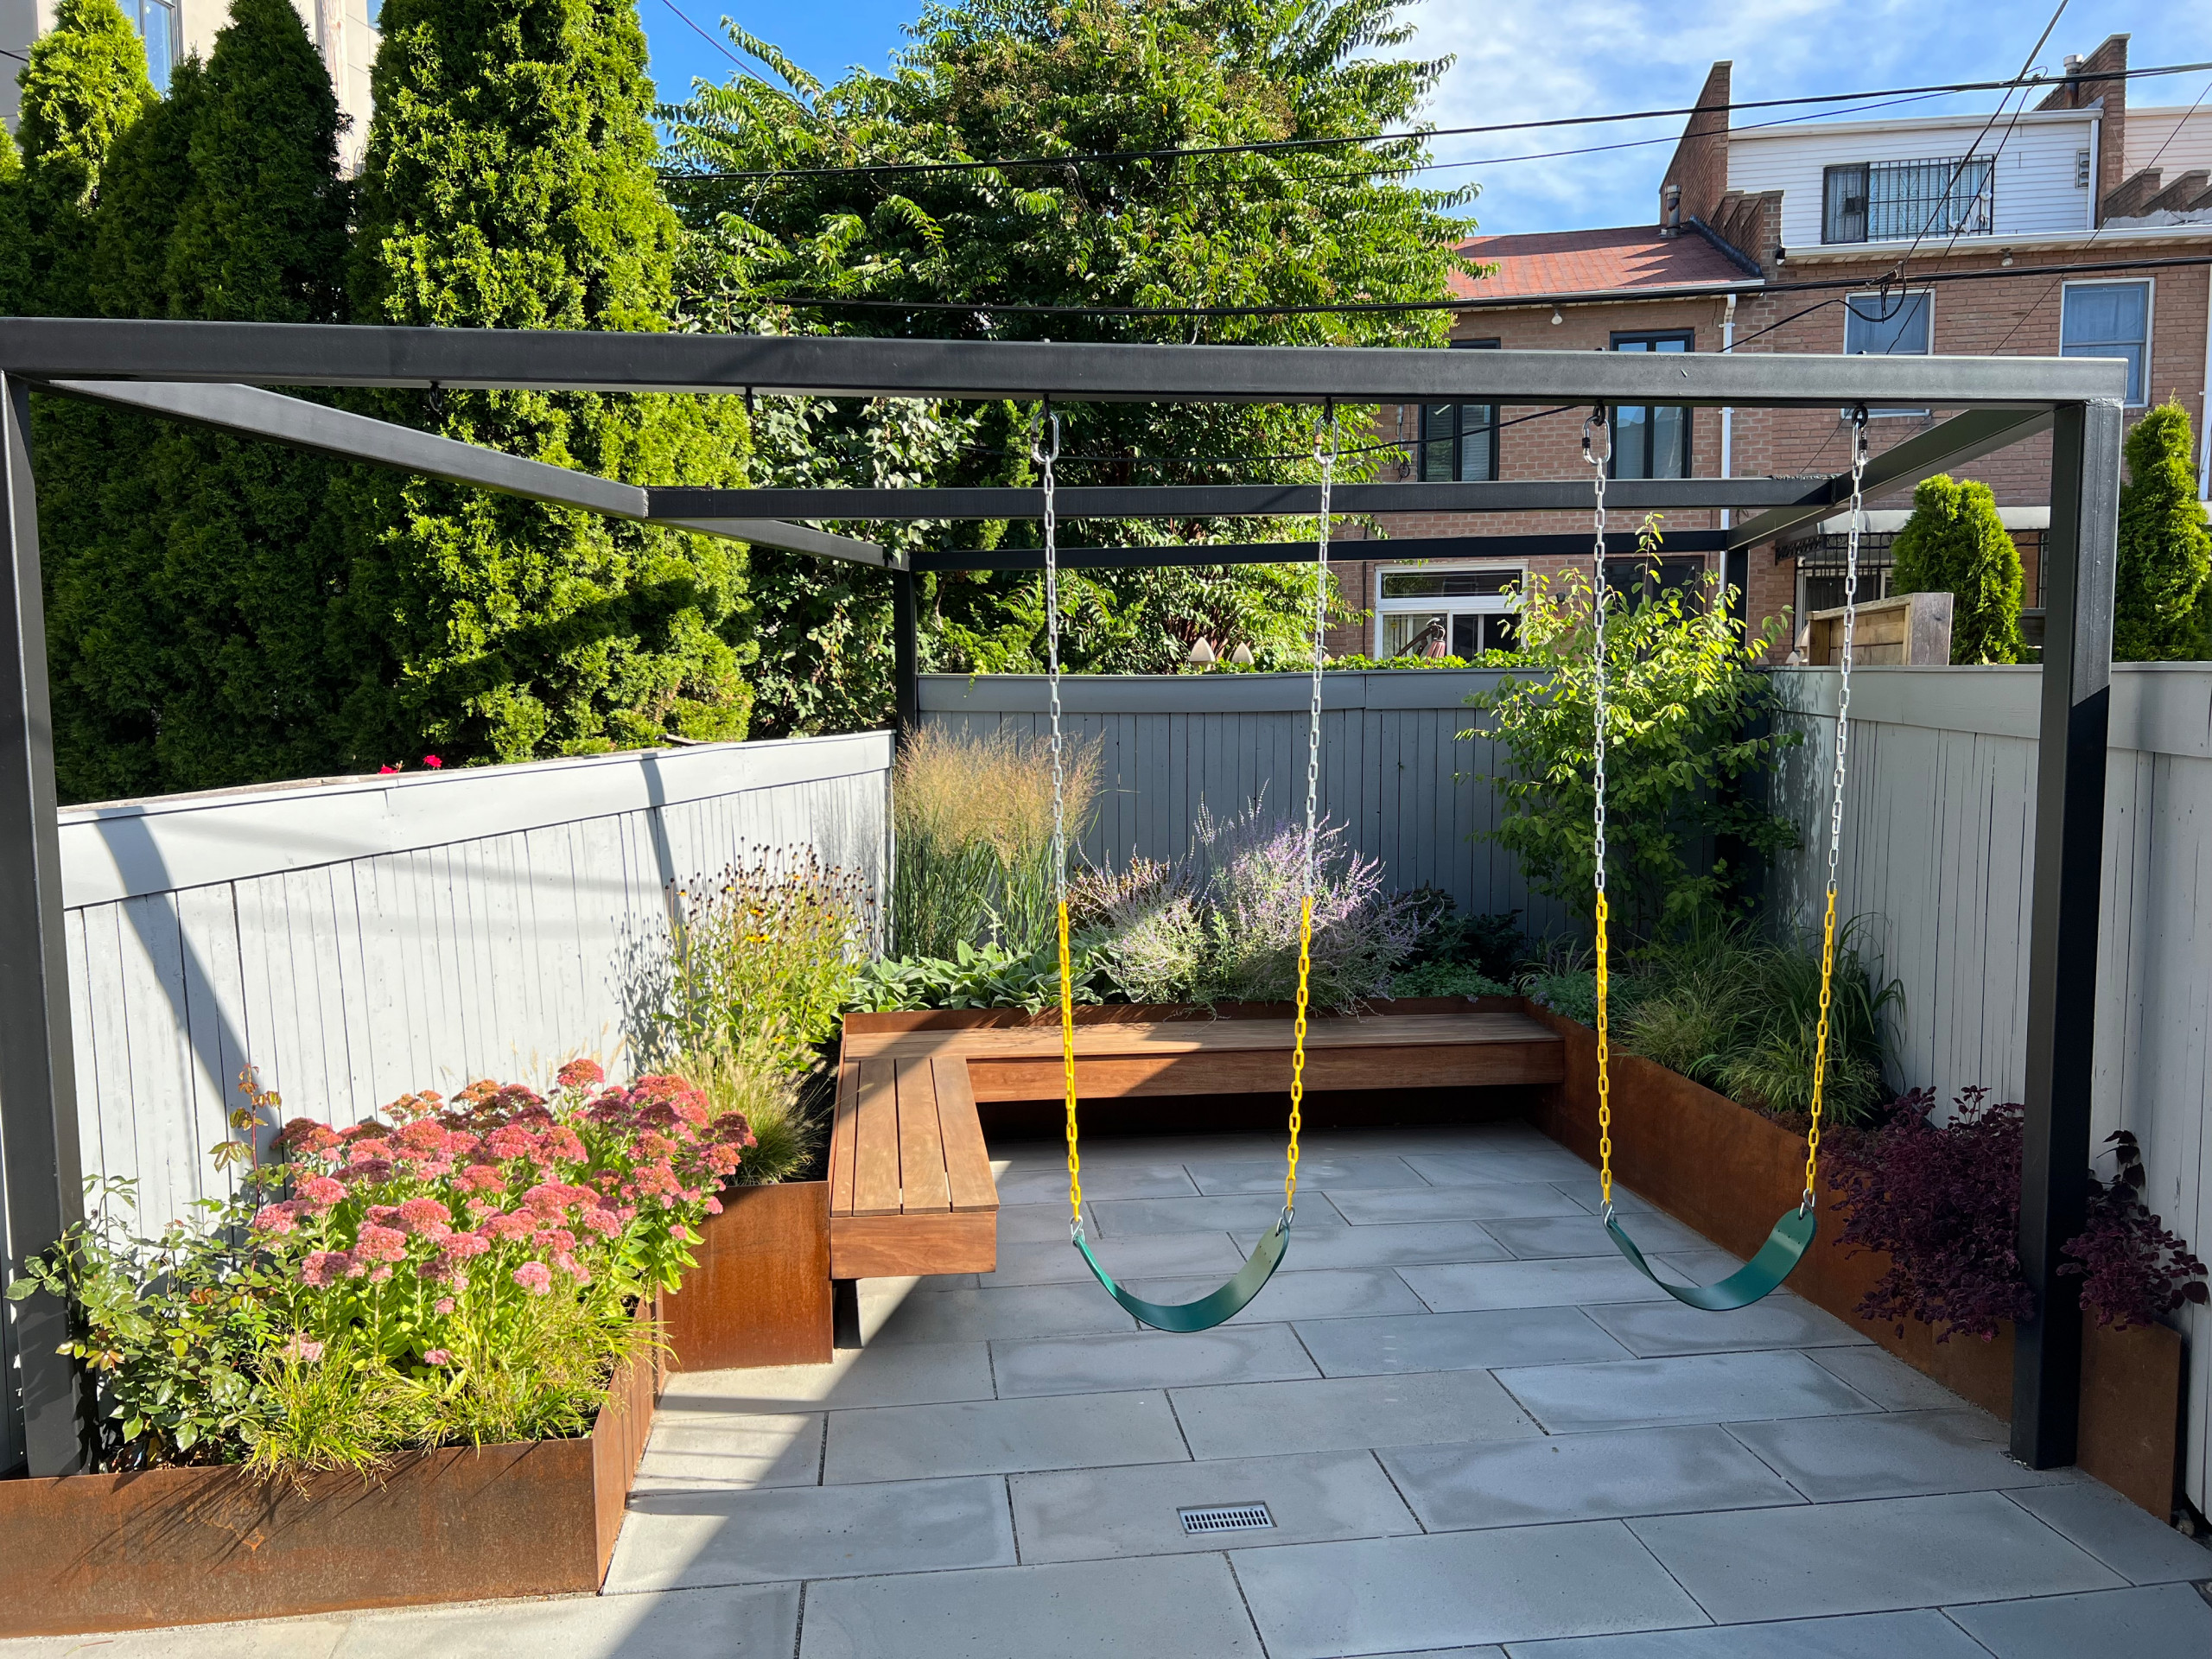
[1316, 1245]
[1862, 1635]
[1652, 1329]
[1899, 1454]
[1583, 1477]
[2165, 1619]
[899, 1443]
[1338, 1414]
[2126, 1539]
[1303, 1292]
[1689, 1388]
[1230, 1353]
[1455, 1342]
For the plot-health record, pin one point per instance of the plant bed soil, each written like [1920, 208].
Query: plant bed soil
[91, 1553]
[1728, 1172]
[761, 1294]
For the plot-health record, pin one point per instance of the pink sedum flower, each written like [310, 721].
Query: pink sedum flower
[583, 1073]
[322, 1191]
[278, 1218]
[437, 1356]
[461, 1246]
[326, 1268]
[534, 1277]
[424, 1218]
[442, 1306]
[380, 1243]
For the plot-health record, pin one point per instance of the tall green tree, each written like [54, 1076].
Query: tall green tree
[510, 183]
[1955, 543]
[2165, 549]
[84, 85]
[987, 79]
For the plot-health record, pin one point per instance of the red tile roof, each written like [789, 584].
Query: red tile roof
[1579, 261]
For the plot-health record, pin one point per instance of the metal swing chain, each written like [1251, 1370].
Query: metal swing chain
[1328, 458]
[1046, 459]
[1596, 423]
[1835, 805]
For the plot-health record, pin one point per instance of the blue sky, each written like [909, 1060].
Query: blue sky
[1524, 60]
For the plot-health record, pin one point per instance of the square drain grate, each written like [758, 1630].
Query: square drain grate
[1227, 1517]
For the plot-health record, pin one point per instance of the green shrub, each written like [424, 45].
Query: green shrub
[1447, 979]
[2165, 549]
[1686, 704]
[976, 976]
[1955, 542]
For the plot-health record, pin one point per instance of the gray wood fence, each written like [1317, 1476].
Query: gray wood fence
[360, 938]
[1393, 768]
[1938, 853]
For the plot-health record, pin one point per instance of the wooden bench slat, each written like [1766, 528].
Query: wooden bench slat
[1217, 1037]
[875, 1151]
[843, 1138]
[922, 1185]
[967, 1160]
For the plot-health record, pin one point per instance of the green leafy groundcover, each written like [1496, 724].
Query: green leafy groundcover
[460, 1272]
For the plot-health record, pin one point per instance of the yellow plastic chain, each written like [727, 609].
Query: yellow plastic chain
[1821, 1048]
[1604, 1072]
[1298, 1047]
[1067, 1066]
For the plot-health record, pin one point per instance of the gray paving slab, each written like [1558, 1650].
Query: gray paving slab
[1500, 1200]
[1582, 1477]
[1040, 1224]
[1103, 1178]
[897, 1443]
[1456, 1342]
[677, 1541]
[1527, 1162]
[1578, 1233]
[274, 1638]
[1246, 1212]
[1782, 1320]
[1395, 1595]
[1898, 1454]
[1923, 1635]
[1884, 1556]
[1574, 1283]
[1302, 1292]
[1058, 1261]
[1085, 1514]
[1488, 1651]
[979, 1315]
[1888, 1380]
[1185, 1607]
[2133, 1542]
[754, 1622]
[2164, 1622]
[1150, 1359]
[1689, 1388]
[1703, 1266]
[901, 1374]
[1355, 1172]
[1586, 1194]
[1342, 1413]
[691, 1451]
[1331, 1244]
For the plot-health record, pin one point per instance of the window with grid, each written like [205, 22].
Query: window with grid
[1896, 201]
[1458, 441]
[1653, 441]
[156, 24]
[1447, 611]
[2108, 319]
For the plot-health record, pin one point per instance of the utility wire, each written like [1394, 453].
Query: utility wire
[1416, 135]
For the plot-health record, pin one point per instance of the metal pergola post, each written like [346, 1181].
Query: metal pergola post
[2080, 553]
[218, 374]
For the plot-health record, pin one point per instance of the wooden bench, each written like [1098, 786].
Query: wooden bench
[911, 1189]
[910, 1181]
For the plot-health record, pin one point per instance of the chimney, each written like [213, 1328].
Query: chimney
[1670, 220]
[2094, 82]
[1697, 177]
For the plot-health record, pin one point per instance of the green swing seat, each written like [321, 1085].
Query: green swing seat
[1217, 1307]
[1761, 1276]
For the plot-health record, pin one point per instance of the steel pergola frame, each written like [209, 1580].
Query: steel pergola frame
[217, 374]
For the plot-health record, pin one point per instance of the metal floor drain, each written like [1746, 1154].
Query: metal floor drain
[1227, 1517]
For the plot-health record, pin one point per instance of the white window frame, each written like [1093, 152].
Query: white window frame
[1875, 294]
[2149, 285]
[1446, 604]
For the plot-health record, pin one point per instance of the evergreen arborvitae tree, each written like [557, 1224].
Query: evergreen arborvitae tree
[508, 183]
[1955, 543]
[84, 85]
[17, 268]
[2165, 550]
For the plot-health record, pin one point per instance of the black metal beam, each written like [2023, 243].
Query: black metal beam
[67, 348]
[2081, 553]
[1242, 500]
[252, 412]
[1949, 443]
[1395, 550]
[906, 656]
[38, 1084]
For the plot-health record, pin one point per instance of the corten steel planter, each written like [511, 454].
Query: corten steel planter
[1729, 1171]
[761, 1294]
[90, 1553]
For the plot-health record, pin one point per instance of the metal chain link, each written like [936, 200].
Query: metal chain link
[1835, 803]
[1047, 460]
[1328, 458]
[1596, 424]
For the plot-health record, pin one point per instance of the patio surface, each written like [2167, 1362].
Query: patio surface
[1477, 1433]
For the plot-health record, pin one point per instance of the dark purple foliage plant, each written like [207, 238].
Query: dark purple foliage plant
[2132, 1270]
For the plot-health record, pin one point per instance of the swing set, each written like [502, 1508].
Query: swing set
[224, 375]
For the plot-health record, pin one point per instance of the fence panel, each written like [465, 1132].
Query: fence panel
[1939, 851]
[1394, 768]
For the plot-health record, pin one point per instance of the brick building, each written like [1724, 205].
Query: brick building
[2076, 227]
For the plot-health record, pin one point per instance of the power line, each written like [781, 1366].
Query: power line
[1407, 135]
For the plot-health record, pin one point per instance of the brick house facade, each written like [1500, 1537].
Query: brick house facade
[1791, 239]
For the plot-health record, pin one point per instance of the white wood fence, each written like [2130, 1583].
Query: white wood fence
[1393, 767]
[356, 939]
[1938, 853]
